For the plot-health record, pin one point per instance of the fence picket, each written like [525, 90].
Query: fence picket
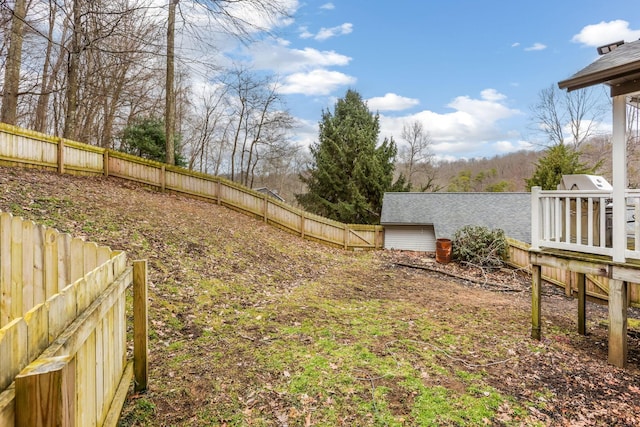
[37, 320]
[77, 255]
[64, 260]
[62, 311]
[90, 254]
[5, 268]
[28, 290]
[13, 350]
[40, 291]
[16, 268]
[50, 262]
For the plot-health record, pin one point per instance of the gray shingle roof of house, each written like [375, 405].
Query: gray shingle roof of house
[449, 212]
[619, 65]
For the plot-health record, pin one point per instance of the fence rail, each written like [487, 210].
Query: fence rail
[597, 287]
[63, 299]
[21, 146]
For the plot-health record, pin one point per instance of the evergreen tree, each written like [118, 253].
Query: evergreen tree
[145, 137]
[559, 160]
[350, 173]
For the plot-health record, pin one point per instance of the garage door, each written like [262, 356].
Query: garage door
[410, 238]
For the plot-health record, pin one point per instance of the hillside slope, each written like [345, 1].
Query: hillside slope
[254, 326]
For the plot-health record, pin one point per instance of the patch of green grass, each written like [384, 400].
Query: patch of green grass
[177, 361]
[16, 209]
[141, 414]
[175, 346]
[541, 397]
[439, 405]
[331, 360]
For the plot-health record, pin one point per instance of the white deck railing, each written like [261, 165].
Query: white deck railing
[582, 221]
[633, 223]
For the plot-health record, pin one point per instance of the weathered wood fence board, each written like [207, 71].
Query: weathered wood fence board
[61, 296]
[25, 147]
[596, 287]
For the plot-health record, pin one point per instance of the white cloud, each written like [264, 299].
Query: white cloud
[316, 82]
[391, 102]
[469, 129]
[326, 33]
[535, 46]
[606, 32]
[504, 147]
[240, 18]
[516, 44]
[328, 6]
[284, 60]
[488, 109]
[340, 30]
[254, 17]
[492, 95]
[304, 33]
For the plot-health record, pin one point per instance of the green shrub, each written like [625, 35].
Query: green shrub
[479, 245]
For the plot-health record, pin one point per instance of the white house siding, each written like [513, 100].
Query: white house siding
[410, 237]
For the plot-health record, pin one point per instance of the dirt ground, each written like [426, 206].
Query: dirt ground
[586, 391]
[243, 266]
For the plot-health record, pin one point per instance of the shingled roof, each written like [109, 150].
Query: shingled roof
[448, 212]
[619, 69]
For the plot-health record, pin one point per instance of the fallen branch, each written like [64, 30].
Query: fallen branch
[494, 286]
[454, 358]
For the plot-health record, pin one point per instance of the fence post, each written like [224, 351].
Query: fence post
[265, 208]
[140, 325]
[618, 323]
[46, 393]
[219, 192]
[105, 162]
[582, 303]
[60, 155]
[536, 283]
[163, 178]
[535, 218]
[346, 236]
[302, 225]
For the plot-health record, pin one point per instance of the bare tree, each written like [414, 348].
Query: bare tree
[568, 117]
[417, 150]
[205, 127]
[73, 65]
[48, 70]
[238, 18]
[170, 104]
[13, 63]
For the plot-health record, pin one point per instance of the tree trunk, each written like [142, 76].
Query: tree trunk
[70, 122]
[40, 124]
[14, 61]
[170, 102]
[235, 139]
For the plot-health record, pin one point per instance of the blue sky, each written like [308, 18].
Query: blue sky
[468, 70]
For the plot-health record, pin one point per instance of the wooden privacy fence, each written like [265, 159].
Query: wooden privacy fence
[63, 349]
[21, 146]
[597, 287]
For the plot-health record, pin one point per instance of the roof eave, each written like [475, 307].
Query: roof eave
[603, 76]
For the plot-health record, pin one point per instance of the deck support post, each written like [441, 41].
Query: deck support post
[619, 161]
[618, 323]
[536, 284]
[582, 303]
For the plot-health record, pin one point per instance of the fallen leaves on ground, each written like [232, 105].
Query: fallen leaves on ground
[226, 291]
